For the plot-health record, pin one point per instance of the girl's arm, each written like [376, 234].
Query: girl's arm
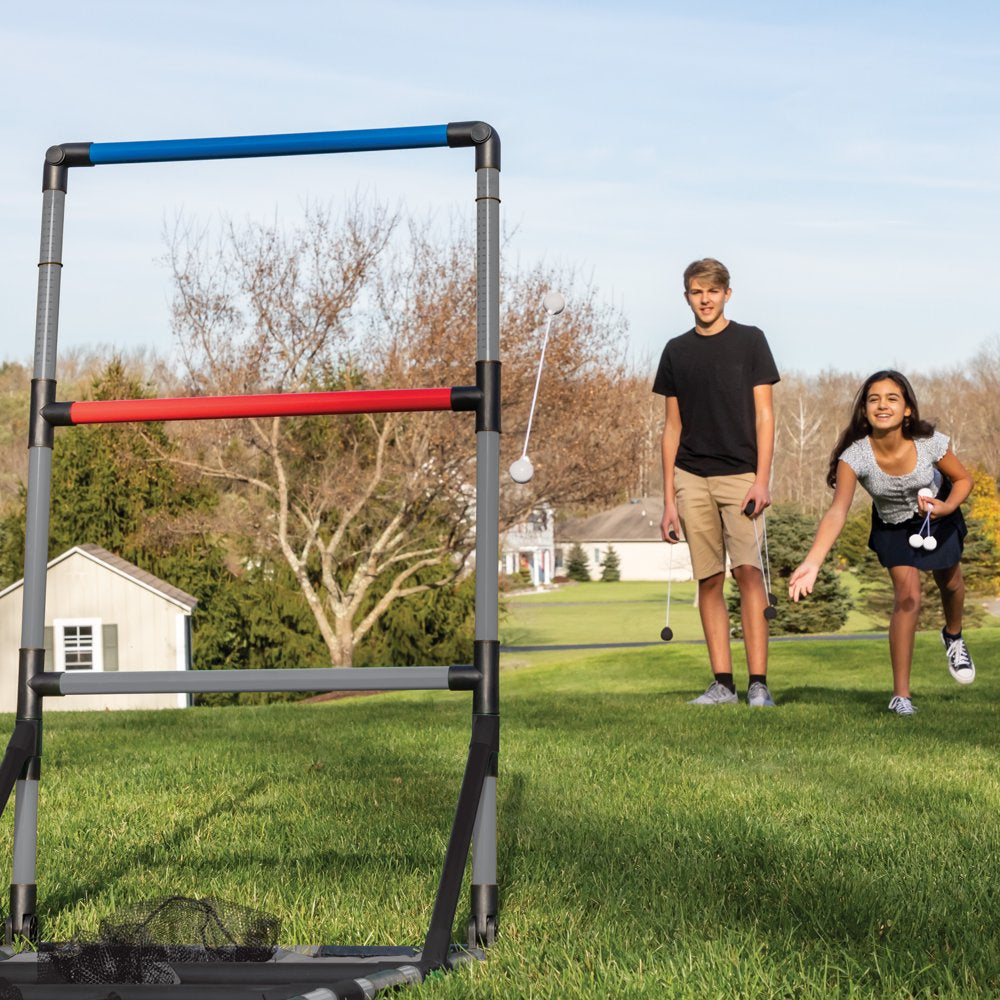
[803, 579]
[961, 487]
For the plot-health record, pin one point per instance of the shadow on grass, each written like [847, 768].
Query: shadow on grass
[144, 857]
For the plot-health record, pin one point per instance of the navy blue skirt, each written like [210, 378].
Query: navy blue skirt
[891, 542]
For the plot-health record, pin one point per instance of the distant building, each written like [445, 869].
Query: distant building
[530, 547]
[633, 529]
[102, 613]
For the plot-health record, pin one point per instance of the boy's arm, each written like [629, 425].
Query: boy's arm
[760, 492]
[669, 444]
[803, 579]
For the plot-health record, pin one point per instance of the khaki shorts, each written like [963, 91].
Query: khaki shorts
[711, 514]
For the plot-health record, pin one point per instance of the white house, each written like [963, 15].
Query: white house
[633, 529]
[530, 546]
[102, 613]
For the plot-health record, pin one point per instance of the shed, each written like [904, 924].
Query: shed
[102, 613]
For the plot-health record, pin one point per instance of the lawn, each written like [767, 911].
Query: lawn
[628, 611]
[648, 848]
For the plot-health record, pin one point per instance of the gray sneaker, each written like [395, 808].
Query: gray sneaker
[717, 694]
[758, 696]
[901, 705]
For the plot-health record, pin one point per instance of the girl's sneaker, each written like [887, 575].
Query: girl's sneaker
[901, 705]
[960, 664]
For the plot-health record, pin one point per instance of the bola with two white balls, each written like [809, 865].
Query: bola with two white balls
[919, 540]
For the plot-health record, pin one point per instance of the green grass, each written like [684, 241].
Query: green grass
[576, 613]
[628, 611]
[648, 848]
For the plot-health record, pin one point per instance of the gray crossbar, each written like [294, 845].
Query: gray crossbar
[193, 681]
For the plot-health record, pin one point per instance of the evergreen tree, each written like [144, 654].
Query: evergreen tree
[436, 626]
[611, 571]
[111, 486]
[851, 549]
[789, 535]
[577, 565]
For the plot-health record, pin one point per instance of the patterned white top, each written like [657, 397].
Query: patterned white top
[895, 497]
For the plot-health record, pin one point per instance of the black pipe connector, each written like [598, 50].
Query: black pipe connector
[40, 430]
[488, 383]
[484, 137]
[58, 160]
[486, 657]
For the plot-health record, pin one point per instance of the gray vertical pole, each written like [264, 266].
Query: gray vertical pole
[484, 848]
[22, 919]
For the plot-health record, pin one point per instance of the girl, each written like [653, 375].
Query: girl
[909, 469]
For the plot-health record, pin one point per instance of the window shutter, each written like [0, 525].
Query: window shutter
[109, 638]
[50, 645]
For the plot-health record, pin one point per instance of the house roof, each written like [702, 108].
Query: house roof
[123, 568]
[635, 521]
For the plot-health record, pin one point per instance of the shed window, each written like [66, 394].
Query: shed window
[78, 644]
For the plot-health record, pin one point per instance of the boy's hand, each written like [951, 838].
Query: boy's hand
[802, 581]
[670, 525]
[760, 496]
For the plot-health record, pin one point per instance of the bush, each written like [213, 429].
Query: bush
[789, 536]
[611, 569]
[577, 566]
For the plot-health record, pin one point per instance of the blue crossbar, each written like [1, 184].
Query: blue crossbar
[292, 144]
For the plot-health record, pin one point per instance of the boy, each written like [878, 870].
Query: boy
[718, 442]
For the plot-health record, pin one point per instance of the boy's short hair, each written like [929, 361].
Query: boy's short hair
[707, 267]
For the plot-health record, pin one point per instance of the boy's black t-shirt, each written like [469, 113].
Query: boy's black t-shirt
[713, 378]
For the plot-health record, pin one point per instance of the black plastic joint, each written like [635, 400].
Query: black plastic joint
[30, 664]
[40, 432]
[485, 902]
[465, 397]
[58, 160]
[486, 733]
[69, 154]
[488, 383]
[484, 137]
[22, 920]
[28, 738]
[463, 677]
[58, 414]
[46, 685]
[486, 660]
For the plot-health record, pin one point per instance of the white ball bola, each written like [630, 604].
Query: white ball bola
[522, 470]
[553, 303]
[916, 541]
[925, 491]
[930, 543]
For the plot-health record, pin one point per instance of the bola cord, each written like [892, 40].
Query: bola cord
[521, 470]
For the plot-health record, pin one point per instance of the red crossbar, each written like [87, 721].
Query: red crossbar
[271, 405]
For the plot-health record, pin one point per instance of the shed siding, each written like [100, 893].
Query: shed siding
[78, 587]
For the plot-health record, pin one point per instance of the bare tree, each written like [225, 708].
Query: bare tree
[371, 508]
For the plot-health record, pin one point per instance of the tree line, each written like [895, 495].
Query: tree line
[327, 540]
[347, 540]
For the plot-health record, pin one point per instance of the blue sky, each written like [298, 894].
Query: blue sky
[844, 161]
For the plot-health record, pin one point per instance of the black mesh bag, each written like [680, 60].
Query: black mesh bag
[141, 943]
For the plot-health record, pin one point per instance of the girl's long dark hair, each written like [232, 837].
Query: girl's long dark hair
[859, 427]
